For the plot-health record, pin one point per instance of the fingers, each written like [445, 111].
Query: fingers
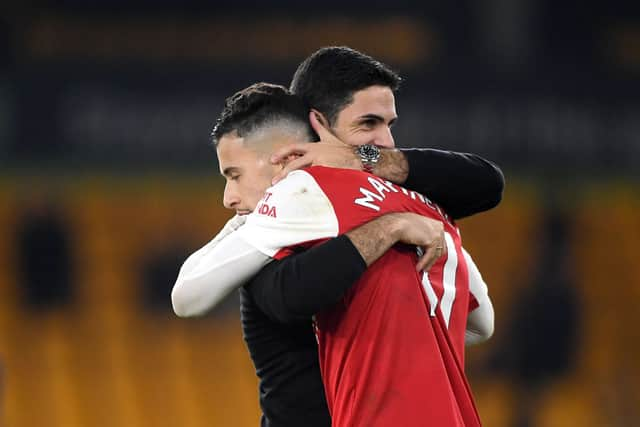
[432, 253]
[319, 125]
[299, 163]
[427, 260]
[284, 152]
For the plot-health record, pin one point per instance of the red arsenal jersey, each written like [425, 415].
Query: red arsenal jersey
[392, 351]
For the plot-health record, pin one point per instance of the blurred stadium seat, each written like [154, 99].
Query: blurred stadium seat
[105, 360]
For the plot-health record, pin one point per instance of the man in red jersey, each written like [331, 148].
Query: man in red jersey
[391, 351]
[381, 362]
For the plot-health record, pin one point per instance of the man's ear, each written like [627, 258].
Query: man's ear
[321, 118]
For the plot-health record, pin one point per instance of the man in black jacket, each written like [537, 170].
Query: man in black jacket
[277, 304]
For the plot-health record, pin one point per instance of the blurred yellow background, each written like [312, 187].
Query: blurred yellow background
[108, 181]
[106, 359]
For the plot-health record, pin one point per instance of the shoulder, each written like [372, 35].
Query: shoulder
[297, 196]
[322, 173]
[337, 182]
[293, 211]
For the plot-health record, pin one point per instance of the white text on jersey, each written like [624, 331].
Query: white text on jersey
[377, 193]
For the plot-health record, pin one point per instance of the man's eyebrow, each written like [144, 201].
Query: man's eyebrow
[372, 116]
[376, 117]
[229, 170]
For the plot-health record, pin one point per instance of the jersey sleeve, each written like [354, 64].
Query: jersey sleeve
[295, 211]
[213, 271]
[481, 315]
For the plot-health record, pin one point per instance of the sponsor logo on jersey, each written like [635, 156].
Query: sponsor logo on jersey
[265, 209]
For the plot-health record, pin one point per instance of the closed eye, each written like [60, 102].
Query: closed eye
[370, 122]
[231, 173]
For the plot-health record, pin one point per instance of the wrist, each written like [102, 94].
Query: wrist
[369, 156]
[396, 226]
[391, 165]
[353, 160]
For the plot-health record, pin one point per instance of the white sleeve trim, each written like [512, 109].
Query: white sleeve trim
[480, 322]
[211, 273]
[294, 211]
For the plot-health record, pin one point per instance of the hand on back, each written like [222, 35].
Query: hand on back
[427, 233]
[330, 151]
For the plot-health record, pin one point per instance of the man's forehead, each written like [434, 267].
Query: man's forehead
[232, 153]
[229, 141]
[374, 100]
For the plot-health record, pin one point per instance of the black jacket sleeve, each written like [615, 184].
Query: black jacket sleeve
[462, 184]
[306, 283]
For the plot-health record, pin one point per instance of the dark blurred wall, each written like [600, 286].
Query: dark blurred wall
[532, 85]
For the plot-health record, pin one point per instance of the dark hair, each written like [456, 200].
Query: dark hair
[328, 78]
[259, 105]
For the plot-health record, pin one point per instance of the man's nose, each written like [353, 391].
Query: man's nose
[384, 139]
[230, 199]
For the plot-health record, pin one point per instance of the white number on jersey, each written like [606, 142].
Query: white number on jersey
[448, 282]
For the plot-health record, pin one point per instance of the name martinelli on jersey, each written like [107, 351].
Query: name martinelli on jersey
[377, 194]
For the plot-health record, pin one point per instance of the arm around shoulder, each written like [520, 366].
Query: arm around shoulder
[301, 285]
